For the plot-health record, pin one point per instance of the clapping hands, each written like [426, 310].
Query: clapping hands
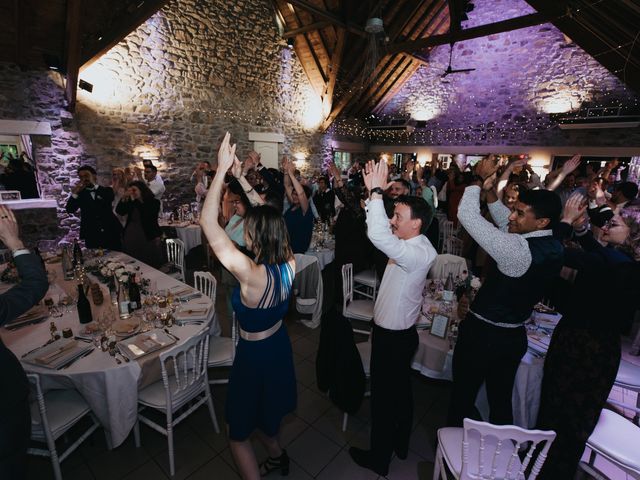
[574, 209]
[376, 175]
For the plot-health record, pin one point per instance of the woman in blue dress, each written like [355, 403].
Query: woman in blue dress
[262, 386]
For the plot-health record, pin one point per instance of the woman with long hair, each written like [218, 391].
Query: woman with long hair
[262, 386]
[141, 236]
[584, 354]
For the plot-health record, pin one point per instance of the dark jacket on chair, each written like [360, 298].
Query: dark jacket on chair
[99, 227]
[338, 366]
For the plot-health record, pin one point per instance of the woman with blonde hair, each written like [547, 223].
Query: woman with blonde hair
[262, 386]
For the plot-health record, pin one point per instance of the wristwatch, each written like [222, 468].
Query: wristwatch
[377, 190]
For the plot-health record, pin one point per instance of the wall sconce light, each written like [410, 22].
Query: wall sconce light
[84, 85]
[290, 42]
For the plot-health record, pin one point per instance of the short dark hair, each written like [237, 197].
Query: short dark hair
[420, 210]
[88, 168]
[628, 189]
[544, 204]
[153, 168]
[404, 183]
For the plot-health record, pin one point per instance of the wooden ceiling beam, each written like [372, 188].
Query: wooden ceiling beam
[306, 28]
[320, 68]
[144, 10]
[336, 59]
[470, 33]
[72, 52]
[328, 16]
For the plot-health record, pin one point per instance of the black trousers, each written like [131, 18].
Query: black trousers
[15, 430]
[485, 353]
[391, 396]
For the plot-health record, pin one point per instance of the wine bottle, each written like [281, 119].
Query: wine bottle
[77, 254]
[449, 287]
[123, 302]
[84, 307]
[134, 293]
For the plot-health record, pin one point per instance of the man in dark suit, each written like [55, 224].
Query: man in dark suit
[15, 417]
[99, 227]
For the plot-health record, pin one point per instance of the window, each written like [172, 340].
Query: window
[342, 160]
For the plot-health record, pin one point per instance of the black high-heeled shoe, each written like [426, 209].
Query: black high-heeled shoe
[272, 464]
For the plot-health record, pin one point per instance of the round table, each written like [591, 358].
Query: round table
[189, 233]
[324, 255]
[433, 359]
[110, 389]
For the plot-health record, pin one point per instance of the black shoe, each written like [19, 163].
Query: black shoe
[365, 460]
[272, 464]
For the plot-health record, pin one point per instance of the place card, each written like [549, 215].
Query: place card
[439, 326]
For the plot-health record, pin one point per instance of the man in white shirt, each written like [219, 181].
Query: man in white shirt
[394, 336]
[154, 181]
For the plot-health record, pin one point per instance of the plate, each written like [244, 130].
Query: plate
[126, 327]
[57, 354]
[145, 343]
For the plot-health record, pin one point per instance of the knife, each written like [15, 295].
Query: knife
[31, 322]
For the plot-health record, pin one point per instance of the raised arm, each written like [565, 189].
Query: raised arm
[233, 259]
[504, 178]
[567, 167]
[239, 173]
[290, 173]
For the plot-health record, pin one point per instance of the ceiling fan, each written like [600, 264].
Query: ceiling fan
[451, 70]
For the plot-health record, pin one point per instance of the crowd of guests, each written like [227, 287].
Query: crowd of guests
[577, 231]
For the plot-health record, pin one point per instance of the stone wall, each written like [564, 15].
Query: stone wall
[521, 77]
[170, 90]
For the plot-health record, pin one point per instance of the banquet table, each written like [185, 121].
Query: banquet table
[110, 388]
[189, 233]
[434, 356]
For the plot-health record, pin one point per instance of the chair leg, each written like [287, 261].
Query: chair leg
[55, 463]
[212, 412]
[436, 465]
[172, 466]
[345, 418]
[136, 434]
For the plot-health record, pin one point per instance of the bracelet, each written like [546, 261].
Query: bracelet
[248, 191]
[377, 190]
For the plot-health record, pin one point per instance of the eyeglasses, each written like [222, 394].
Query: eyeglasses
[609, 224]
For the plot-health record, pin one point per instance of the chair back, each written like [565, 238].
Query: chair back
[347, 285]
[184, 369]
[206, 284]
[175, 253]
[446, 231]
[453, 246]
[492, 451]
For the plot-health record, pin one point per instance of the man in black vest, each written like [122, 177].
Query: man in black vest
[492, 338]
[99, 227]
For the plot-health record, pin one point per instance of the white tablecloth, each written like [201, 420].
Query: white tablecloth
[111, 390]
[324, 255]
[190, 234]
[526, 389]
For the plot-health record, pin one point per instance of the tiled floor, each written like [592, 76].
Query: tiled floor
[313, 438]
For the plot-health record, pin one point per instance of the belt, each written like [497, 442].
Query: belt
[256, 336]
[496, 324]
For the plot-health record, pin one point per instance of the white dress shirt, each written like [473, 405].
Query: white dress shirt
[400, 296]
[157, 187]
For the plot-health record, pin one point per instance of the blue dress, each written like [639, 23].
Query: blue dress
[262, 384]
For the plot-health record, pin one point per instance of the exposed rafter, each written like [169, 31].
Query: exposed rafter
[72, 52]
[110, 39]
[469, 33]
[328, 16]
[305, 29]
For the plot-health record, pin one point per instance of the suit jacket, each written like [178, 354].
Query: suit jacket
[99, 227]
[32, 287]
[148, 215]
